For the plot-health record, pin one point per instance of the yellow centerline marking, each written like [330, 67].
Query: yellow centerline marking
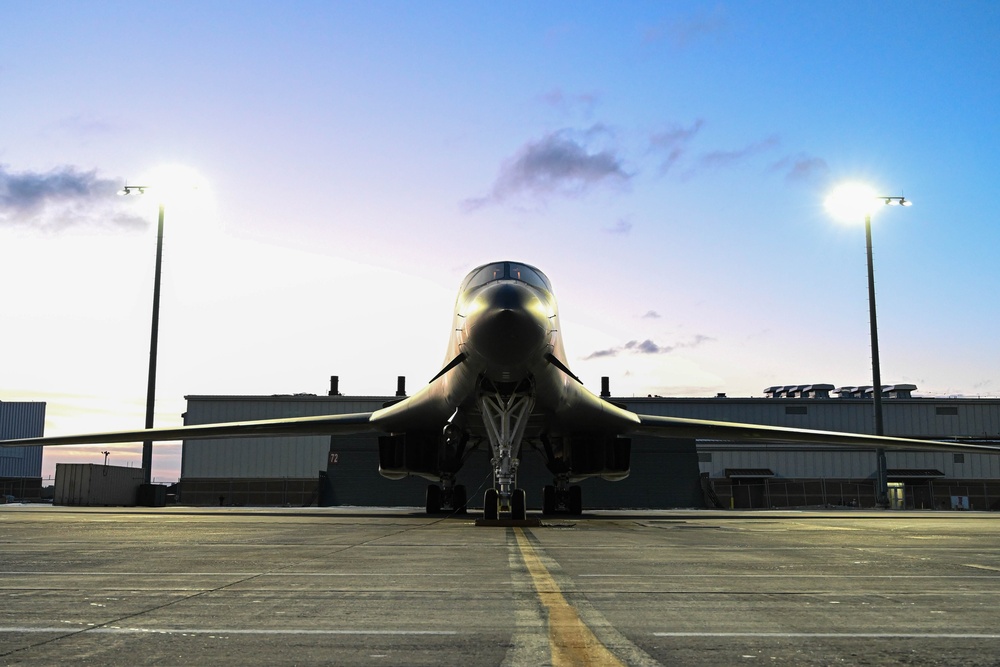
[571, 641]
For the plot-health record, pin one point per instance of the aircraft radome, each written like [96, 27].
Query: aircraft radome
[505, 382]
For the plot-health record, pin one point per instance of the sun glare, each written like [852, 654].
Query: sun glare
[851, 202]
[183, 192]
[174, 184]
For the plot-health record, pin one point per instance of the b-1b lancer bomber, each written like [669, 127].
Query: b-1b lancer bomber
[506, 382]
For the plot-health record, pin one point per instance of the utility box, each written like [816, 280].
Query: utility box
[90, 484]
[151, 495]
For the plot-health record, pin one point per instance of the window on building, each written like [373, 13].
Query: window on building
[796, 409]
[947, 410]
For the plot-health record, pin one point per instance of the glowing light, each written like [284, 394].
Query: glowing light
[174, 184]
[185, 195]
[851, 202]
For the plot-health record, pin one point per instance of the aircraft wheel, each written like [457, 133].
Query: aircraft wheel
[491, 505]
[459, 499]
[575, 500]
[518, 511]
[548, 499]
[433, 499]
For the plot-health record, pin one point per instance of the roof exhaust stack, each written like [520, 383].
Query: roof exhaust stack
[605, 387]
[401, 385]
[334, 385]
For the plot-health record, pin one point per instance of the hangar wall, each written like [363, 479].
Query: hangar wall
[21, 420]
[286, 470]
[21, 467]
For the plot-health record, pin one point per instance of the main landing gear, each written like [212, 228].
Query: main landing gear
[452, 498]
[568, 499]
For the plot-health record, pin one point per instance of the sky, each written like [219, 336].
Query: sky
[664, 163]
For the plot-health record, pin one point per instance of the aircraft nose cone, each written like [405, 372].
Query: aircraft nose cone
[510, 326]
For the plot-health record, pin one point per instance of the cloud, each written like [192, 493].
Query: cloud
[720, 159]
[802, 168]
[60, 198]
[560, 163]
[566, 103]
[651, 315]
[672, 142]
[86, 125]
[681, 32]
[622, 226]
[647, 347]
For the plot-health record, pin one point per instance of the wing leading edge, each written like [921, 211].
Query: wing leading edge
[706, 429]
[359, 422]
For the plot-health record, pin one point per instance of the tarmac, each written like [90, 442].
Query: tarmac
[236, 586]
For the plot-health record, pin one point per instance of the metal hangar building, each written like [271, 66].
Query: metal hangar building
[343, 470]
[21, 467]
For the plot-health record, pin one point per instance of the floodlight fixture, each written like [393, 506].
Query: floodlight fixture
[852, 201]
[129, 189]
[154, 335]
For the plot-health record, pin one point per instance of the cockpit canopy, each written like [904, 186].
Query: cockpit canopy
[506, 271]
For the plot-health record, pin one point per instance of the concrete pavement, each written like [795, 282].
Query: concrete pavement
[393, 587]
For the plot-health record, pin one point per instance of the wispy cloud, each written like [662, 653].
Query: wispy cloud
[62, 197]
[561, 163]
[87, 125]
[673, 142]
[651, 315]
[647, 347]
[566, 103]
[802, 168]
[621, 226]
[681, 32]
[721, 159]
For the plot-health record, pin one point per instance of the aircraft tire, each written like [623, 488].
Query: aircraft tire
[518, 511]
[433, 499]
[459, 499]
[575, 500]
[491, 505]
[548, 499]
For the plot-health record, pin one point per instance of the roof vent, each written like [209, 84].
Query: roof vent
[888, 391]
[799, 391]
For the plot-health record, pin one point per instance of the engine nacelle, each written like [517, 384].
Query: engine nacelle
[607, 456]
[405, 454]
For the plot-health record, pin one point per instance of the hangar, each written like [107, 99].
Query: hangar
[343, 470]
[21, 467]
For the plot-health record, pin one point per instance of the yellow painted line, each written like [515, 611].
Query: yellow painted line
[571, 641]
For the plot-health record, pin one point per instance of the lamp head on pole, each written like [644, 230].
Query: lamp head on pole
[855, 201]
[129, 189]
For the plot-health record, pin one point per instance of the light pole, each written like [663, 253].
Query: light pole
[147, 445]
[863, 199]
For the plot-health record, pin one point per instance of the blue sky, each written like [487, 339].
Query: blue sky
[664, 163]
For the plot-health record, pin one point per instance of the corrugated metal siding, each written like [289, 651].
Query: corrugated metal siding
[21, 420]
[917, 417]
[848, 464]
[90, 484]
[298, 457]
[975, 418]
[304, 457]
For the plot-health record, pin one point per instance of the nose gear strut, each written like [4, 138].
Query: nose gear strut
[505, 419]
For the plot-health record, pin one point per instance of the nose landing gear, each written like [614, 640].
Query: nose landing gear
[505, 418]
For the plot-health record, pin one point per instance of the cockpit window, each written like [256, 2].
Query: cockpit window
[487, 274]
[528, 275]
[507, 271]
